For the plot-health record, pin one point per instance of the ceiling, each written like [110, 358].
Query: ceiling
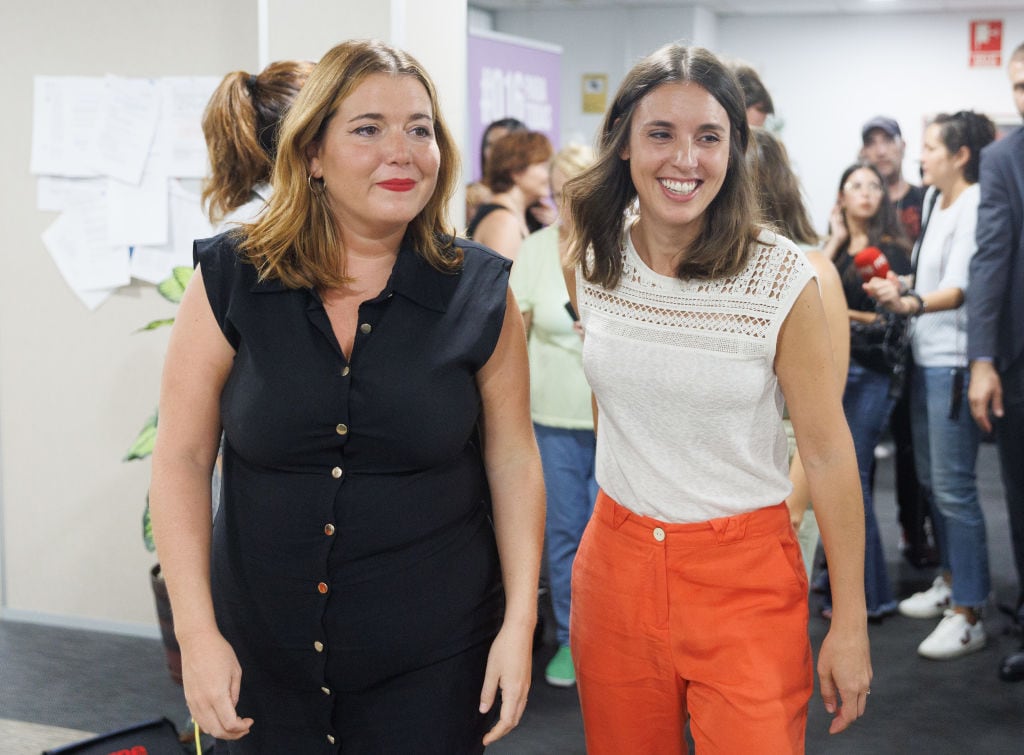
[767, 7]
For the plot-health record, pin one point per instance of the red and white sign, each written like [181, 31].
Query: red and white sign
[986, 44]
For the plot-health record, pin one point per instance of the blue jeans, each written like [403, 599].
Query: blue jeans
[946, 452]
[867, 405]
[568, 460]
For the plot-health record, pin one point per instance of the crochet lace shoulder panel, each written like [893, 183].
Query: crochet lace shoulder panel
[738, 314]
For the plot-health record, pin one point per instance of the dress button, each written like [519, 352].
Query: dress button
[345, 370]
[365, 327]
[336, 473]
[325, 690]
[318, 646]
[328, 529]
[322, 588]
[330, 738]
[341, 429]
[659, 534]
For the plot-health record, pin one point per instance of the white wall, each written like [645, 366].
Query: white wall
[75, 386]
[827, 74]
[603, 41]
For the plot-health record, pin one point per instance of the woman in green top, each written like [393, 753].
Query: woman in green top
[559, 401]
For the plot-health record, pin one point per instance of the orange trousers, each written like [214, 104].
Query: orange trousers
[704, 621]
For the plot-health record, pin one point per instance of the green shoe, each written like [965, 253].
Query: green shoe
[560, 671]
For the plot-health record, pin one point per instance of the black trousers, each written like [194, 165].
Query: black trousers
[1010, 438]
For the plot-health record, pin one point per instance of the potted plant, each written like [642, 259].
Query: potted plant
[171, 289]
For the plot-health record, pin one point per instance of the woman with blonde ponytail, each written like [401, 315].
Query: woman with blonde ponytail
[240, 124]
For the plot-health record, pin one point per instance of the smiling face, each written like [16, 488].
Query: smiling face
[678, 156]
[378, 157]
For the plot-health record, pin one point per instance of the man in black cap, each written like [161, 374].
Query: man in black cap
[884, 148]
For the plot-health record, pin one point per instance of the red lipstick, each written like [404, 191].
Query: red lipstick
[398, 184]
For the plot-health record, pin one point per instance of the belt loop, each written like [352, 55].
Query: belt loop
[730, 528]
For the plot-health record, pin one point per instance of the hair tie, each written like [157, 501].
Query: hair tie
[251, 82]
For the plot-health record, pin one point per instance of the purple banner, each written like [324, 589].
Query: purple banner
[511, 78]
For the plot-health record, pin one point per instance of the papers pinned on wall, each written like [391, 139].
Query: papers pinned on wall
[110, 153]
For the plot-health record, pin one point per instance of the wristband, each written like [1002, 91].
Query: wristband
[920, 302]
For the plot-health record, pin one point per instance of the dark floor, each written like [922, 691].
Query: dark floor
[97, 682]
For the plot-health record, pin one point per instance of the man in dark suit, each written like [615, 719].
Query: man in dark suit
[995, 326]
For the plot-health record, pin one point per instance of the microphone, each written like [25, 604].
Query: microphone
[871, 263]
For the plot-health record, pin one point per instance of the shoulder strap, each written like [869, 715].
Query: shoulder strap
[926, 214]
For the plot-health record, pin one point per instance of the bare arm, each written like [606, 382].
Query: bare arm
[807, 375]
[834, 303]
[197, 364]
[517, 492]
[501, 231]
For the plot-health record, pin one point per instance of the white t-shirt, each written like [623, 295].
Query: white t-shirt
[689, 406]
[939, 339]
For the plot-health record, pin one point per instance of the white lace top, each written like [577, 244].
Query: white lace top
[689, 406]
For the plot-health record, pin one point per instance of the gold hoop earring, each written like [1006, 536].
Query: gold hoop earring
[312, 188]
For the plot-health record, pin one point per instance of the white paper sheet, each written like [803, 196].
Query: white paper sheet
[127, 127]
[56, 193]
[179, 148]
[77, 241]
[138, 214]
[188, 223]
[65, 113]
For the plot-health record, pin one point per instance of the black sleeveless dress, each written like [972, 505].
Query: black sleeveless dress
[353, 550]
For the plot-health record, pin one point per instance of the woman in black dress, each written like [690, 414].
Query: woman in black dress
[374, 563]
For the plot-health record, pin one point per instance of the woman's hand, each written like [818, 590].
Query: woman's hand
[837, 224]
[212, 677]
[886, 291]
[844, 670]
[509, 668]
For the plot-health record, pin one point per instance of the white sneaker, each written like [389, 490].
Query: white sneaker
[930, 603]
[953, 637]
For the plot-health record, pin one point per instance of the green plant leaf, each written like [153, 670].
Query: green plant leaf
[173, 287]
[143, 445]
[153, 325]
[147, 528]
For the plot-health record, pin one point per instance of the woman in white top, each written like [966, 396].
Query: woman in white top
[689, 595]
[945, 437]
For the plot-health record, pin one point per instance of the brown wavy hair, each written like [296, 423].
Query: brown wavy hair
[601, 195]
[778, 188]
[297, 240]
[512, 153]
[241, 124]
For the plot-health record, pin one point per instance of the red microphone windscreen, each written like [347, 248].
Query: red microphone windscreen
[871, 263]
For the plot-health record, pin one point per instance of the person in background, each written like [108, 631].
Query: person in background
[755, 94]
[995, 327]
[477, 193]
[782, 207]
[689, 595]
[518, 173]
[559, 401]
[883, 147]
[863, 221]
[946, 439]
[370, 583]
[240, 125]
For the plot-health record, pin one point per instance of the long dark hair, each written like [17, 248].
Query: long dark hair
[600, 196]
[966, 129]
[883, 227]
